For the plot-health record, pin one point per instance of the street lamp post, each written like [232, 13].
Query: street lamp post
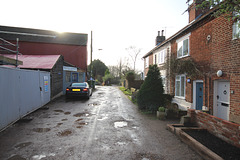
[91, 67]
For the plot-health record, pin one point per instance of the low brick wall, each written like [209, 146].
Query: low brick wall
[227, 131]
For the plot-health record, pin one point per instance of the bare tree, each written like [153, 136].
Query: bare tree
[123, 66]
[133, 53]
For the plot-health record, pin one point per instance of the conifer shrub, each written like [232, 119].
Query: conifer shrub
[150, 95]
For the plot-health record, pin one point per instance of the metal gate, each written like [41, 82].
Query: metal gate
[22, 91]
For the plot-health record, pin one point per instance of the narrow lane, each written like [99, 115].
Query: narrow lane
[107, 126]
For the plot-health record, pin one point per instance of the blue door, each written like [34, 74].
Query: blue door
[199, 95]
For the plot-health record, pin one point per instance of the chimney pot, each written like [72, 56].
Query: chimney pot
[160, 38]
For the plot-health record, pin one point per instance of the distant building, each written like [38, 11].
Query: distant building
[43, 43]
[73, 46]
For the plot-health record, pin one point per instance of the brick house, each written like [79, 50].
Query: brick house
[212, 45]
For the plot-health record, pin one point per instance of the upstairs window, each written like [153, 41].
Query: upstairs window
[161, 56]
[146, 62]
[183, 46]
[236, 29]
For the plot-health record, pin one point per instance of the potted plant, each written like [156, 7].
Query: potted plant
[161, 113]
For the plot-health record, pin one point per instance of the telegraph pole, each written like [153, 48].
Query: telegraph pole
[91, 63]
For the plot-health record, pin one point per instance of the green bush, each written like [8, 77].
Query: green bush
[161, 109]
[150, 95]
[130, 76]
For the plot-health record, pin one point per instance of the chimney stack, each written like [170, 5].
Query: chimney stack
[195, 13]
[160, 38]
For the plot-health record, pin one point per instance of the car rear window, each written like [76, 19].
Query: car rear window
[79, 85]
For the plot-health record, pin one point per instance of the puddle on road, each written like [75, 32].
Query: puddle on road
[103, 117]
[64, 133]
[16, 157]
[80, 124]
[67, 113]
[86, 114]
[80, 119]
[120, 124]
[22, 145]
[41, 130]
[59, 124]
[93, 104]
[38, 157]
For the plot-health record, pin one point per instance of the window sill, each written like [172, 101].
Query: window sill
[183, 56]
[178, 97]
[235, 38]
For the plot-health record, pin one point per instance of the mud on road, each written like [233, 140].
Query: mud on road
[107, 126]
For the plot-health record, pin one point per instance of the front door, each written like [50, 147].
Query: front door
[223, 102]
[199, 95]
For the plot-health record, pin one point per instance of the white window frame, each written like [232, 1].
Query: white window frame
[180, 45]
[163, 80]
[146, 62]
[161, 56]
[179, 78]
[236, 29]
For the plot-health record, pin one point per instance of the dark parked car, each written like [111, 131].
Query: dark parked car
[79, 90]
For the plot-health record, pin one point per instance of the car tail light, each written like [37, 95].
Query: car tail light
[67, 89]
[85, 89]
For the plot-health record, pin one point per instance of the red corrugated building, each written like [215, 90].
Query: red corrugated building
[73, 46]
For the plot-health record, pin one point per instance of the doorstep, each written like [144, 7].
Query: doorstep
[203, 151]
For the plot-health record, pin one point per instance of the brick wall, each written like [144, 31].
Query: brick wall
[57, 77]
[225, 57]
[225, 130]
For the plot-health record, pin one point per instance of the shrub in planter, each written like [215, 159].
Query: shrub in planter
[161, 113]
[161, 109]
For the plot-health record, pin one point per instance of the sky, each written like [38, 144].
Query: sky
[116, 25]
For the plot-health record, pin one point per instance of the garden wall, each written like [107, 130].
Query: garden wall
[135, 84]
[227, 131]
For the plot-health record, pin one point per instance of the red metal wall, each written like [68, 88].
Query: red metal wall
[76, 55]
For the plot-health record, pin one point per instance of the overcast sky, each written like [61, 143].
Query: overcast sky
[116, 24]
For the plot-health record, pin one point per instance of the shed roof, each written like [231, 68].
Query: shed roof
[36, 61]
[42, 36]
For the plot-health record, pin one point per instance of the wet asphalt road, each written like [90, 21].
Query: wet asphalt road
[107, 126]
